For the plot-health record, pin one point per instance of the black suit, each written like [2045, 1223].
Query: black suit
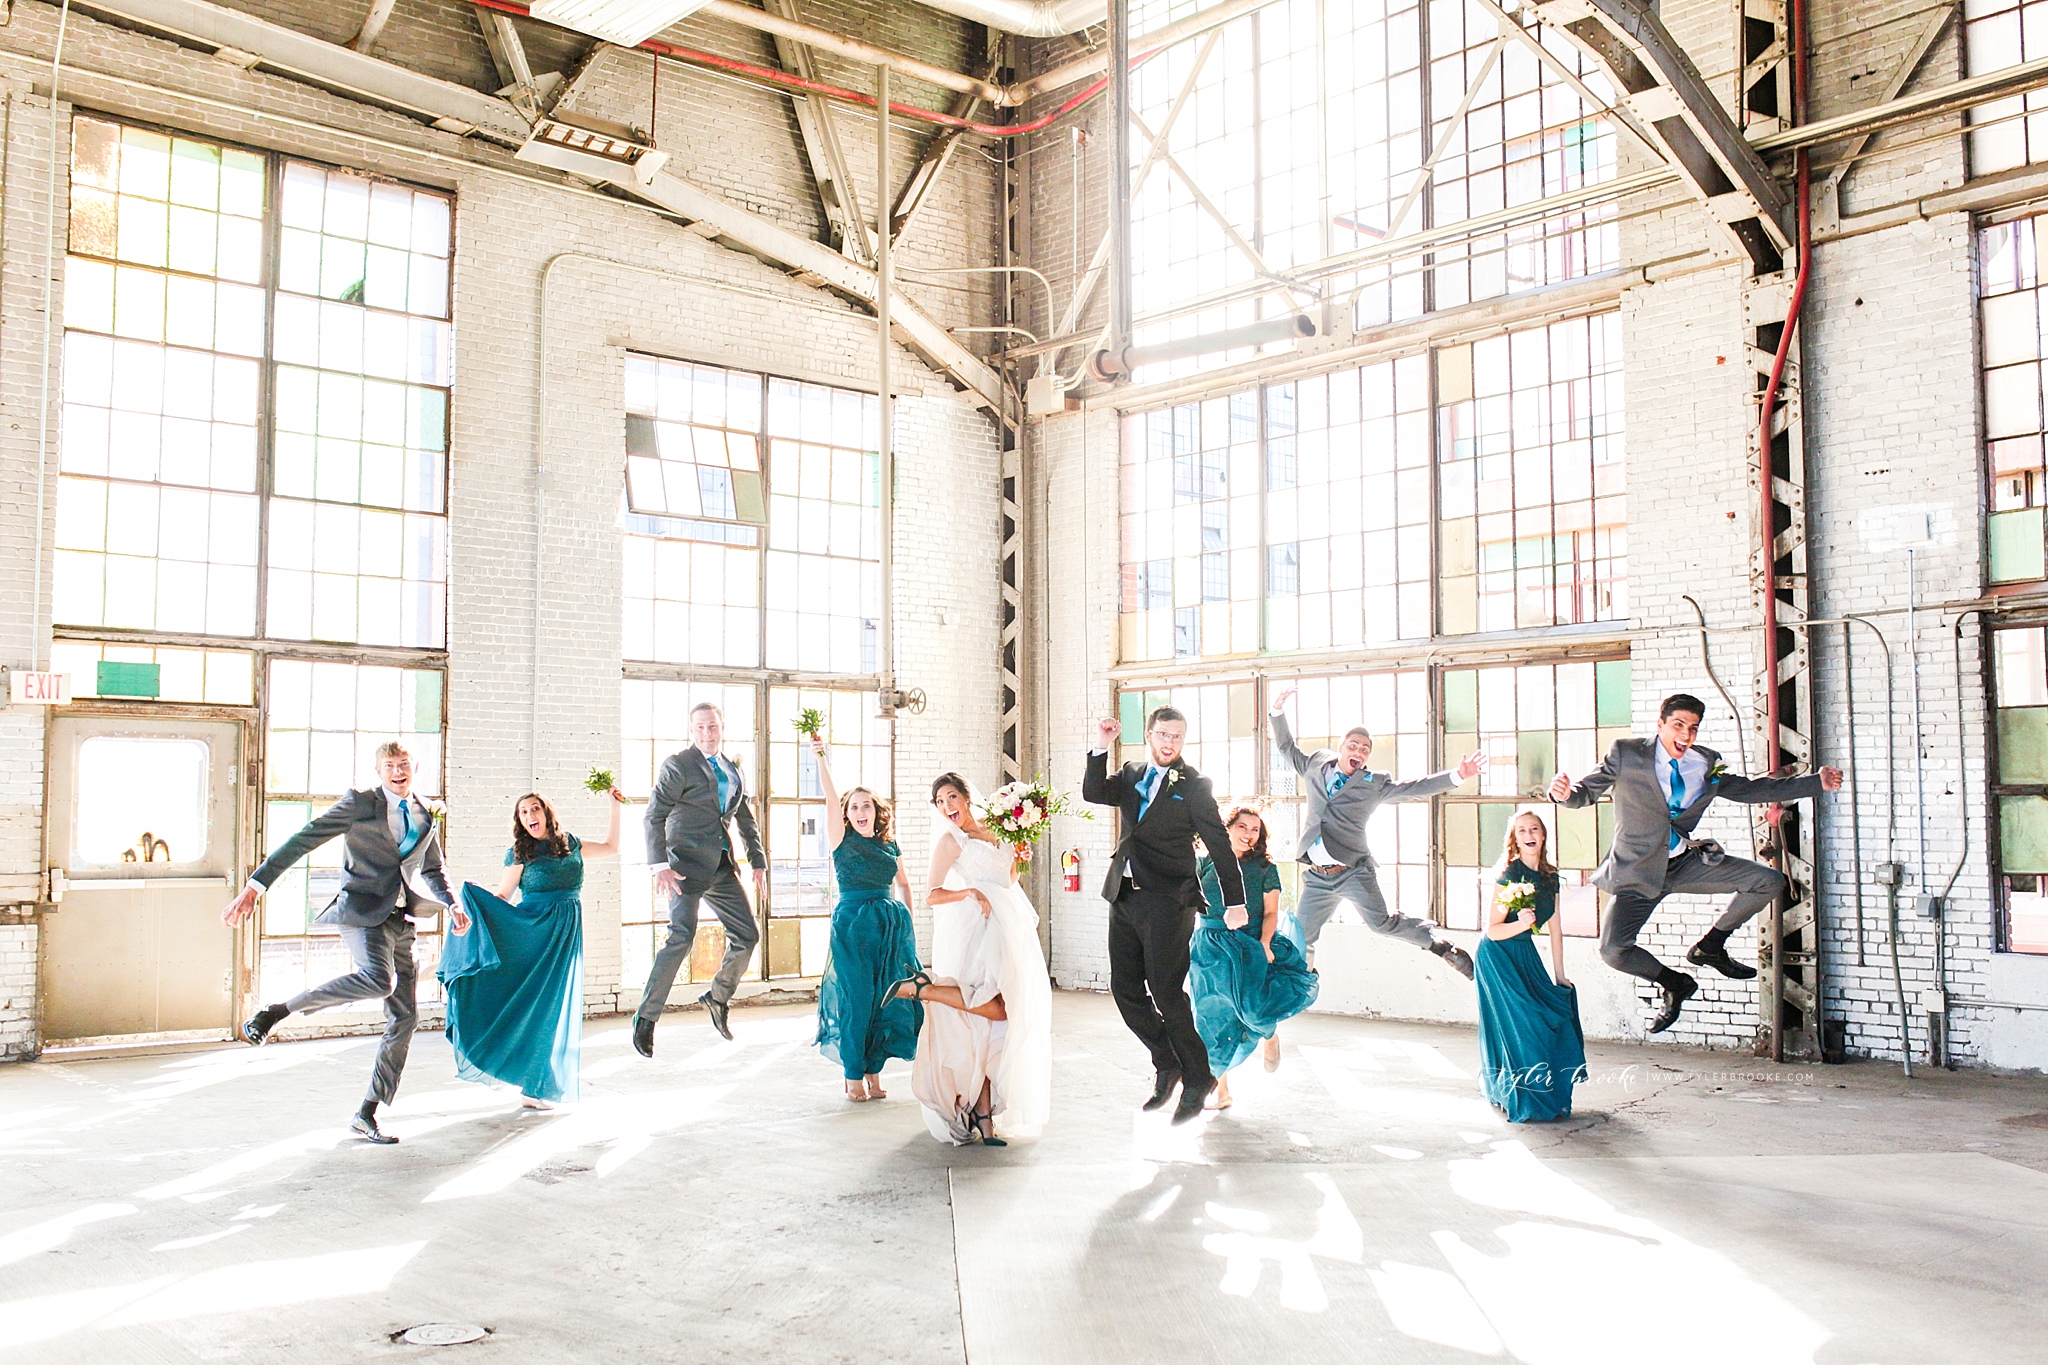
[1155, 893]
[689, 832]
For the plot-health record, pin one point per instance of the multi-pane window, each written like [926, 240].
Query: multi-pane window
[2013, 131]
[1191, 530]
[802, 886]
[699, 588]
[1310, 133]
[2020, 786]
[160, 507]
[1504, 508]
[1532, 522]
[2009, 314]
[157, 513]
[1395, 708]
[1533, 721]
[1348, 499]
[654, 723]
[217, 677]
[1223, 732]
[322, 725]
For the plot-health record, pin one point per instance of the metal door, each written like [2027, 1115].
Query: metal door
[143, 852]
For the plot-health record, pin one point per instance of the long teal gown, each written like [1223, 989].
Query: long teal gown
[1531, 1048]
[1239, 997]
[873, 944]
[515, 981]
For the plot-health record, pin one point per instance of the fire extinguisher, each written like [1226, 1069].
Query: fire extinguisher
[1070, 870]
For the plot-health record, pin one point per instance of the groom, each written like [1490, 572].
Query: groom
[1661, 787]
[696, 800]
[390, 876]
[1154, 893]
[1342, 795]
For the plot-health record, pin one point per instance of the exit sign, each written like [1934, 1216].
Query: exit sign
[39, 689]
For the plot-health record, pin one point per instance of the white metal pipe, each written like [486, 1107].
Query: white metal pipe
[853, 49]
[1095, 63]
[1031, 18]
[37, 653]
[885, 463]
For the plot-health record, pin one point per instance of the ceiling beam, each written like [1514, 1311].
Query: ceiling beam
[373, 24]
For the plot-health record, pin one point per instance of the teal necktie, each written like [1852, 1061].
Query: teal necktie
[412, 836]
[1338, 777]
[1152, 776]
[724, 785]
[1677, 800]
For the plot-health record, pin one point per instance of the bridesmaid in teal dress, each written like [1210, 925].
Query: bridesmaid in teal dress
[515, 980]
[1531, 1048]
[873, 942]
[1244, 981]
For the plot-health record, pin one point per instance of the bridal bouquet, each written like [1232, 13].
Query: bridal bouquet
[810, 723]
[1021, 812]
[600, 779]
[1515, 897]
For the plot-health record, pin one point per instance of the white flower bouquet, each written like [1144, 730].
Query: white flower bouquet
[1515, 897]
[1020, 813]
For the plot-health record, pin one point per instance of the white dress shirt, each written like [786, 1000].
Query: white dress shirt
[1692, 771]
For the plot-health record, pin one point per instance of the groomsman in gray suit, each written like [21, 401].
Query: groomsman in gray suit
[1661, 787]
[1342, 795]
[390, 876]
[697, 799]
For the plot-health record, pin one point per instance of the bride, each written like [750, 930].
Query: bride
[988, 1049]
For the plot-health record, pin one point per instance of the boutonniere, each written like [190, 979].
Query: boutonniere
[438, 813]
[1172, 776]
[1718, 771]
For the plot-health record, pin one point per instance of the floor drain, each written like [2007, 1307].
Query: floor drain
[443, 1334]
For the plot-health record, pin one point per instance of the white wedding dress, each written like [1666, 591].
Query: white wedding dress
[986, 956]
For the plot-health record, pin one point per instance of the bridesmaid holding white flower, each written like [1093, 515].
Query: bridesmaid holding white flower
[873, 943]
[1531, 1048]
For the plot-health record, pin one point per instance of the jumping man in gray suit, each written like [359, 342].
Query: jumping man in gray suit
[697, 799]
[1342, 795]
[1661, 787]
[390, 876]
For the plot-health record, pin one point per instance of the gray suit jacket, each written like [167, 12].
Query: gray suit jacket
[1643, 821]
[1339, 821]
[371, 870]
[685, 827]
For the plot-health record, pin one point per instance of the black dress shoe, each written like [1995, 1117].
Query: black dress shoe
[717, 1011]
[1674, 1000]
[1162, 1090]
[1708, 955]
[643, 1036]
[365, 1127]
[256, 1028]
[1192, 1098]
[1456, 958]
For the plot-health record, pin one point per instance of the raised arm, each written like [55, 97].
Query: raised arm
[1763, 791]
[1588, 789]
[610, 845]
[1101, 786]
[835, 818]
[1283, 736]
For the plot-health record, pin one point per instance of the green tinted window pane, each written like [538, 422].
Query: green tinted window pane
[1578, 836]
[2022, 744]
[129, 680]
[2023, 833]
[1461, 701]
[1494, 820]
[1461, 834]
[1605, 811]
[1535, 759]
[2016, 545]
[1131, 711]
[427, 418]
[426, 702]
[1612, 689]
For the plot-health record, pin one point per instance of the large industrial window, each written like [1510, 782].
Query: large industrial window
[2020, 786]
[322, 724]
[699, 588]
[1282, 154]
[2009, 315]
[2014, 131]
[204, 491]
[1503, 508]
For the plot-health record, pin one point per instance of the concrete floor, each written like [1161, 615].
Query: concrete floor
[722, 1203]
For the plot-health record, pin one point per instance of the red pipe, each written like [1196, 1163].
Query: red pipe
[1773, 752]
[790, 82]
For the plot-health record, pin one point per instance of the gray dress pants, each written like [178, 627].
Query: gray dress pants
[1755, 887]
[722, 889]
[385, 969]
[1360, 885]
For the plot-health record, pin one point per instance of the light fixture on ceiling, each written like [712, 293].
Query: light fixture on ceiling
[628, 23]
[594, 148]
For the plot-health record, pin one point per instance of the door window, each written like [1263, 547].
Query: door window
[141, 799]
